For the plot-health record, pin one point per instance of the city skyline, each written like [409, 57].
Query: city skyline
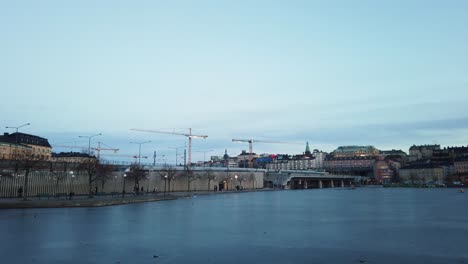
[384, 74]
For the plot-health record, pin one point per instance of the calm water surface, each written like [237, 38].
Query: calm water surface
[365, 225]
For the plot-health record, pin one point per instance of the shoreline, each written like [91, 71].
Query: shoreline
[16, 203]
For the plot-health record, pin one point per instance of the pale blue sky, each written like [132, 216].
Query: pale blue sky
[384, 73]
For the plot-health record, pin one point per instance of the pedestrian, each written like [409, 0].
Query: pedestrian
[142, 189]
[95, 190]
[20, 192]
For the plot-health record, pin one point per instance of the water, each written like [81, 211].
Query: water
[365, 225]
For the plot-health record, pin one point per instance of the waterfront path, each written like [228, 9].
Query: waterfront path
[102, 200]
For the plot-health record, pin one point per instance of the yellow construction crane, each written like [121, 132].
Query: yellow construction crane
[189, 135]
[251, 141]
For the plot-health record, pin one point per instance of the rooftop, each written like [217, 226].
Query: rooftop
[27, 139]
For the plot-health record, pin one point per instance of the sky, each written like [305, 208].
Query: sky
[384, 73]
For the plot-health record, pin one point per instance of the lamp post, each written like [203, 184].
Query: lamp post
[204, 155]
[235, 176]
[115, 184]
[89, 142]
[165, 180]
[71, 184]
[139, 149]
[123, 188]
[176, 154]
[16, 140]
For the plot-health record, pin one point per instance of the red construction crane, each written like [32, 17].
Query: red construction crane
[251, 141]
[189, 135]
[98, 149]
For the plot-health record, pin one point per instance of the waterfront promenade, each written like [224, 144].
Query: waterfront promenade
[105, 200]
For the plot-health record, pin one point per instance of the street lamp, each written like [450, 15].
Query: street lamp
[204, 155]
[123, 188]
[89, 142]
[139, 149]
[17, 128]
[165, 180]
[115, 184]
[176, 154]
[71, 184]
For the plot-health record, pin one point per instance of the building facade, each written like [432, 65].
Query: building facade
[461, 165]
[36, 147]
[421, 174]
[71, 157]
[422, 152]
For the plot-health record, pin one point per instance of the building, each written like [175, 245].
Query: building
[422, 152]
[354, 165]
[71, 157]
[422, 174]
[461, 165]
[383, 173]
[319, 158]
[243, 159]
[7, 150]
[356, 160]
[355, 151]
[306, 161]
[34, 147]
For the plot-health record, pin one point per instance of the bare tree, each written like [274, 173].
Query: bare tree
[90, 167]
[103, 173]
[241, 179]
[26, 162]
[191, 176]
[210, 176]
[137, 173]
[58, 177]
[253, 179]
[168, 174]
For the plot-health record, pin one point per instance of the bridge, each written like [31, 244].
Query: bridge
[293, 179]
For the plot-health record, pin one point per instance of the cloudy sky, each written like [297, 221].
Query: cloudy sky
[384, 73]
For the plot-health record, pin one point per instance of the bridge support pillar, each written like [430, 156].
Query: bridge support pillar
[332, 184]
[342, 183]
[320, 184]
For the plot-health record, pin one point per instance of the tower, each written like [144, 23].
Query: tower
[307, 151]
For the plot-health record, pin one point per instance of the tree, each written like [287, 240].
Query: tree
[25, 161]
[253, 179]
[103, 173]
[137, 173]
[58, 177]
[191, 176]
[97, 172]
[210, 176]
[167, 173]
[241, 179]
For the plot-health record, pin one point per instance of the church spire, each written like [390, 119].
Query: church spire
[307, 148]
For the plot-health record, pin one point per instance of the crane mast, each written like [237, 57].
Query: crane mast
[190, 136]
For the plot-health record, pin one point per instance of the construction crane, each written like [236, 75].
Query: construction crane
[189, 135]
[98, 149]
[251, 141]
